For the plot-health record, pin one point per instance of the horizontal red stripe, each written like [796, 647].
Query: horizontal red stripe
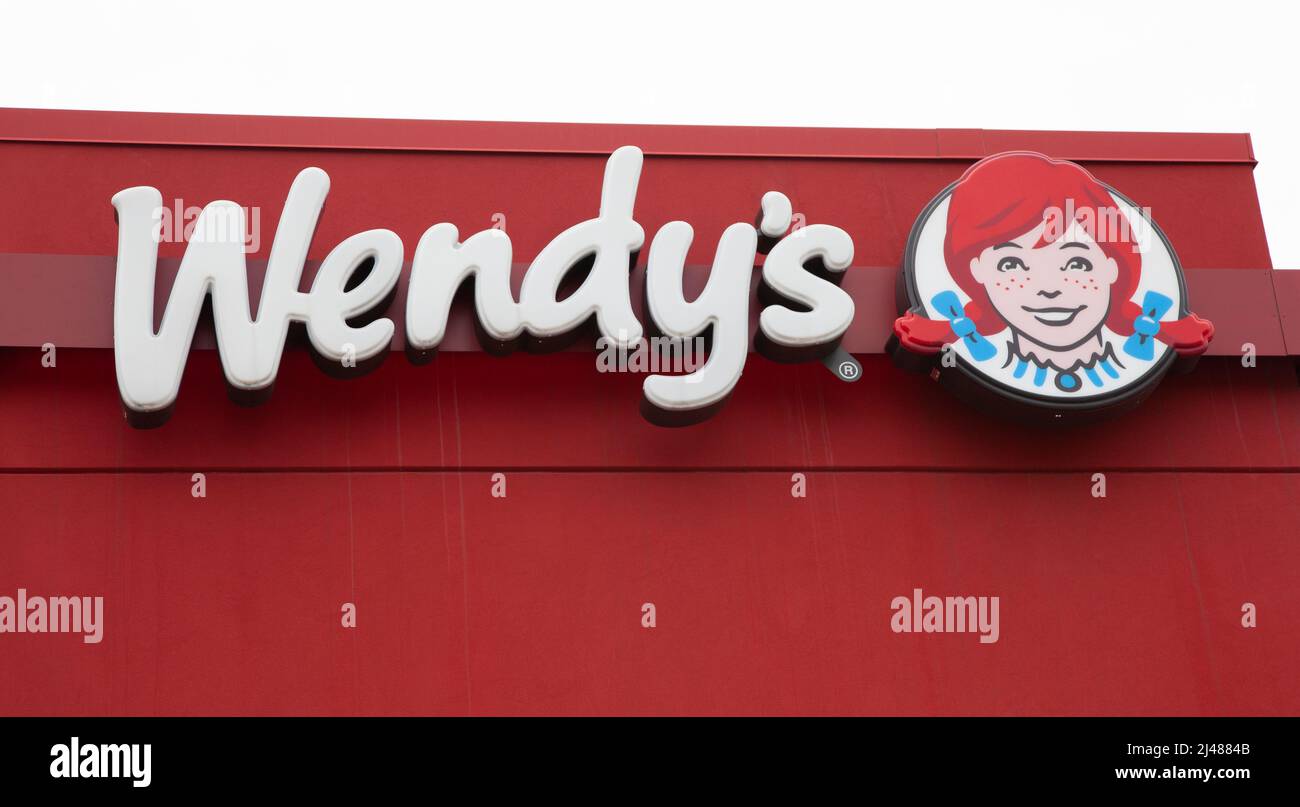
[82, 126]
[472, 410]
[65, 300]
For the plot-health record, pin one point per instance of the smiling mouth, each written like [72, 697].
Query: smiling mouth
[1055, 317]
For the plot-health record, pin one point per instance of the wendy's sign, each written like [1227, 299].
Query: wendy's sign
[1030, 287]
[1027, 286]
[357, 281]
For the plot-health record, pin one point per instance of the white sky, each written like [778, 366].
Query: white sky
[1096, 65]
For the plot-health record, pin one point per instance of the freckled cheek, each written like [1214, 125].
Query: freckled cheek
[1085, 282]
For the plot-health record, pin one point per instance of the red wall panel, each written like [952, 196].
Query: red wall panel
[1209, 211]
[765, 603]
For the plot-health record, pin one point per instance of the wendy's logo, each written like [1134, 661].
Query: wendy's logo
[1028, 284]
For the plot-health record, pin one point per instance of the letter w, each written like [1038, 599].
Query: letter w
[149, 365]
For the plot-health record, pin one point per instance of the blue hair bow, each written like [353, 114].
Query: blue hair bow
[949, 306]
[1141, 345]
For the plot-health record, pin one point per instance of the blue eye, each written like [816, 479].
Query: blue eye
[1010, 264]
[1077, 264]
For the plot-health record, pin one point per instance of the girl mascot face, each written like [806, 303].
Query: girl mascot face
[1054, 295]
[1051, 265]
[1054, 282]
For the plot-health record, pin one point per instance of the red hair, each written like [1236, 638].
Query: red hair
[1005, 196]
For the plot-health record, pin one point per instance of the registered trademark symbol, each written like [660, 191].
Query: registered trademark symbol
[843, 365]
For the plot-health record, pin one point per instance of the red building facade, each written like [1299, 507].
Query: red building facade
[379, 491]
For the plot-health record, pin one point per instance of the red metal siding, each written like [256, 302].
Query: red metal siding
[377, 490]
